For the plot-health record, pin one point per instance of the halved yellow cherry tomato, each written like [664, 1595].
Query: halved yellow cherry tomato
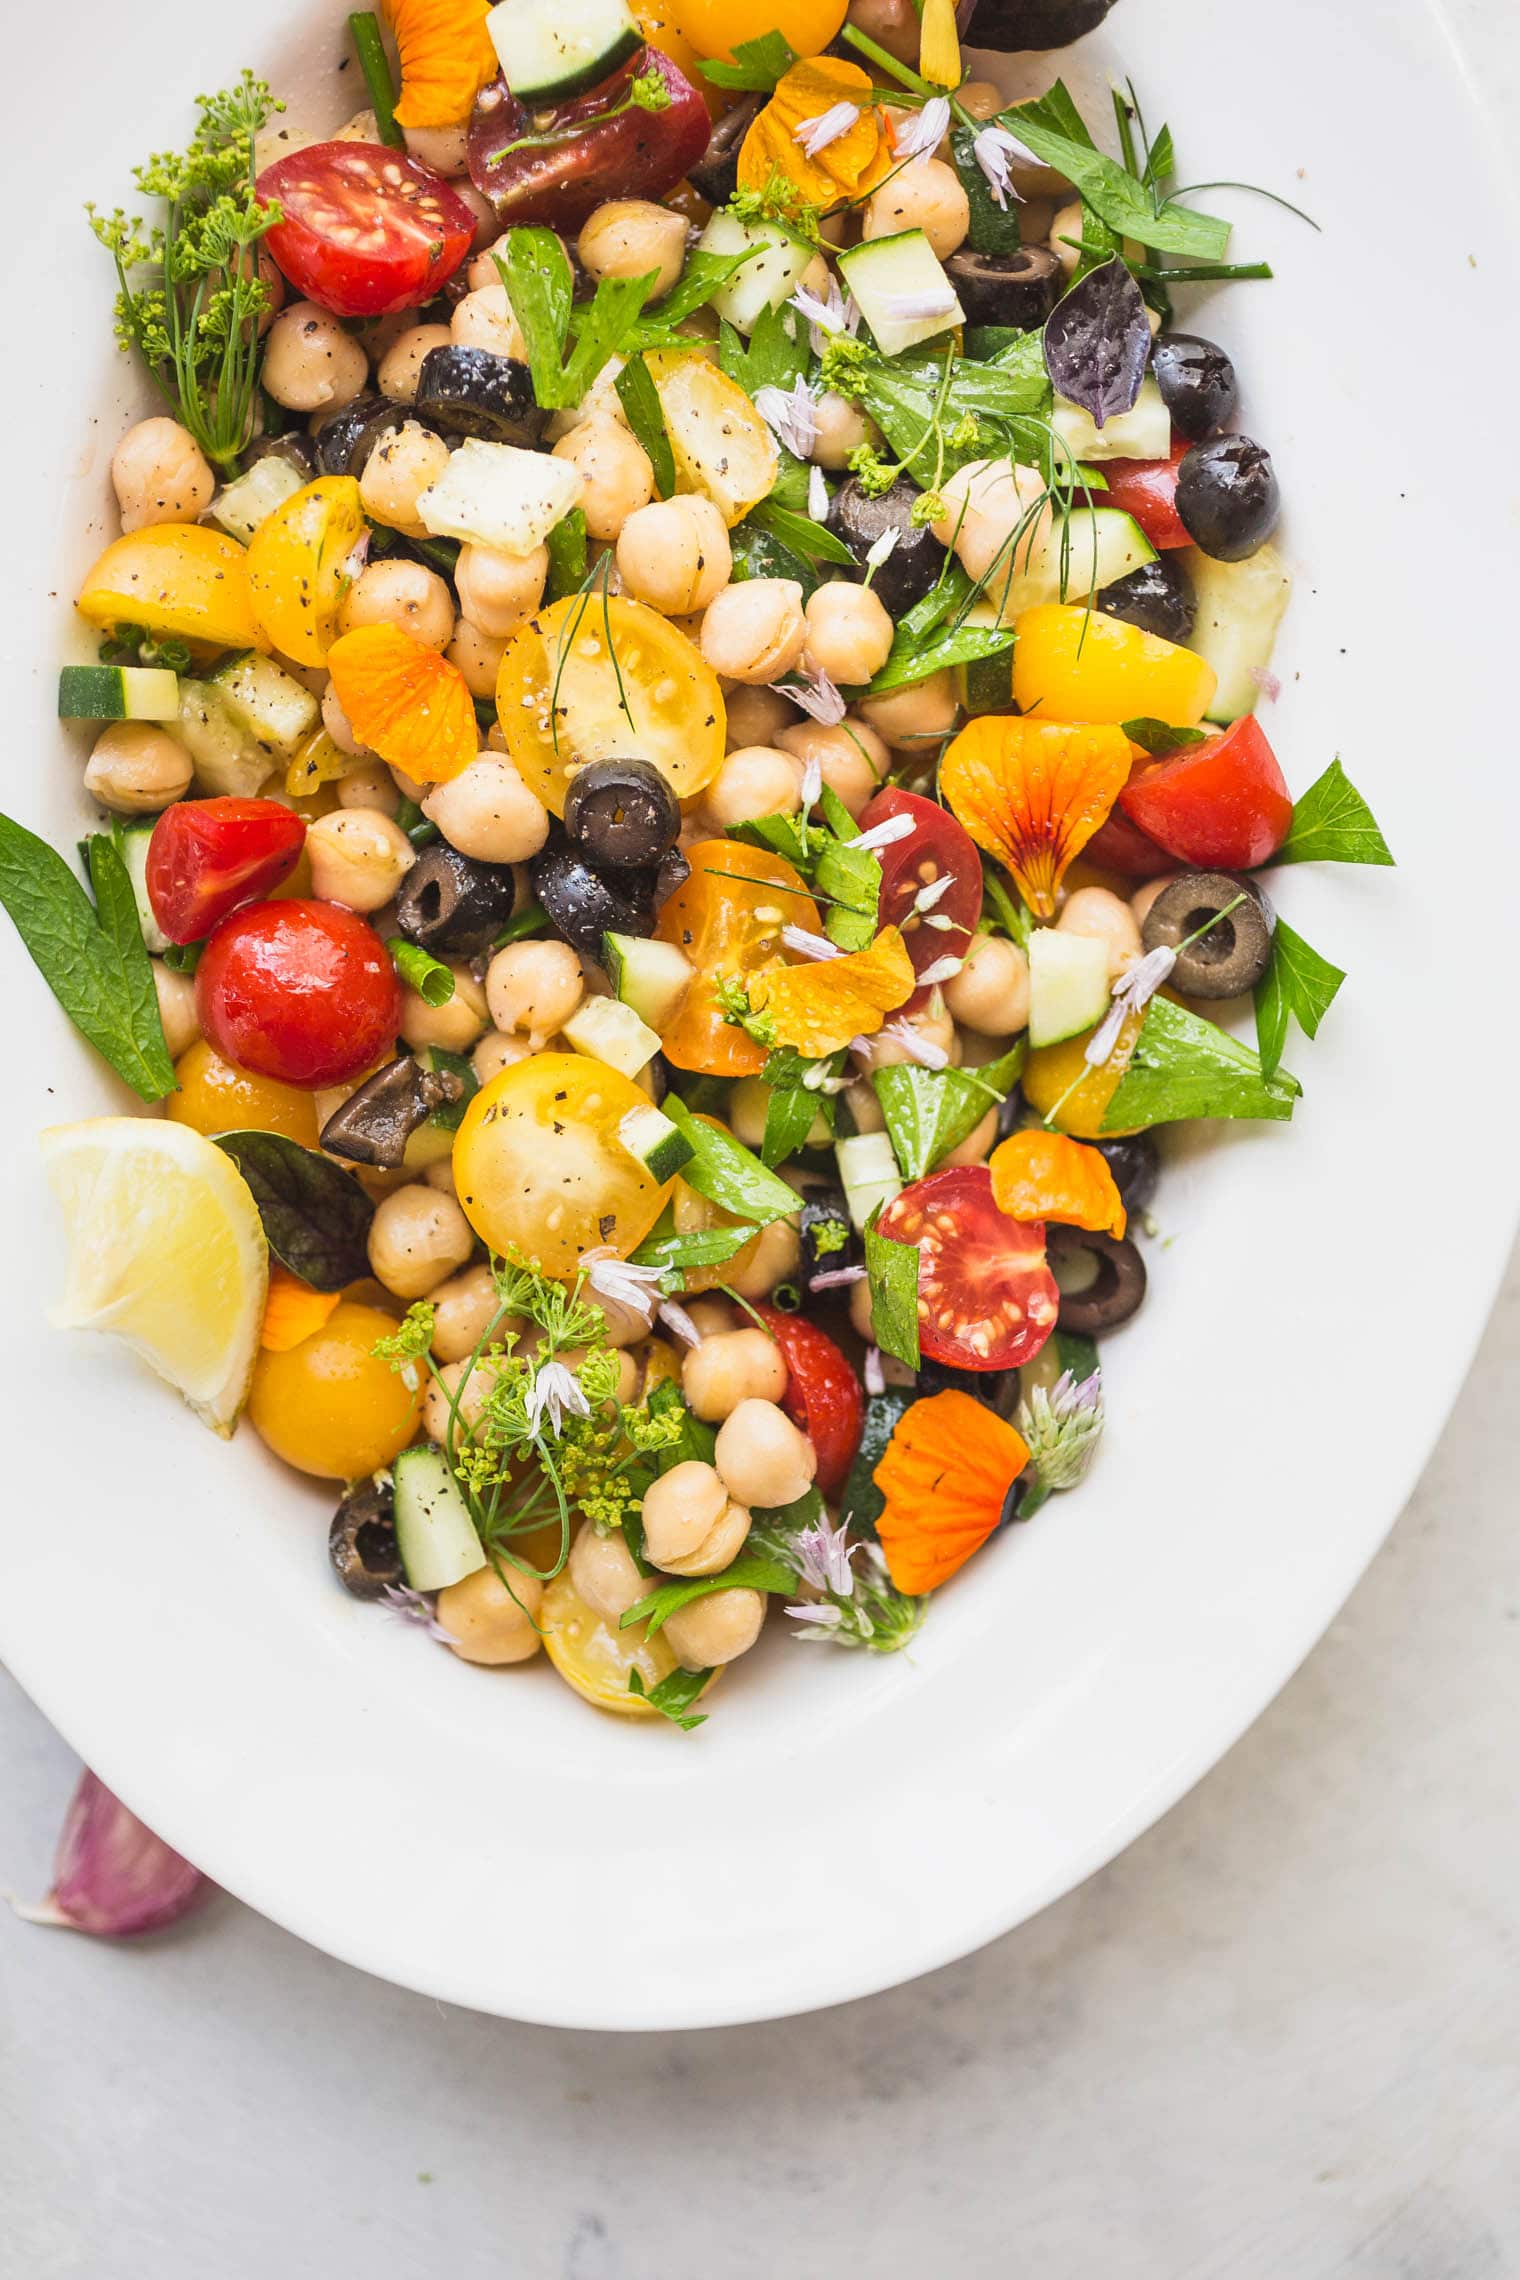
[1058, 1074]
[180, 579]
[214, 1097]
[594, 1656]
[539, 1167]
[722, 448]
[717, 27]
[1072, 664]
[330, 1406]
[298, 566]
[727, 918]
[589, 657]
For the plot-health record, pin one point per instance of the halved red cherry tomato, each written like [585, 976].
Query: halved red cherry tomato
[1147, 489]
[939, 848]
[986, 1298]
[1119, 845]
[301, 991]
[364, 230]
[1222, 804]
[207, 856]
[823, 1397]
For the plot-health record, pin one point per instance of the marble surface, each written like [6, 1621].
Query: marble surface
[1278, 2040]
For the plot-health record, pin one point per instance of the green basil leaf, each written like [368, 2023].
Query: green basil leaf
[801, 533]
[1183, 1067]
[912, 661]
[893, 1272]
[776, 356]
[698, 1439]
[421, 971]
[861, 1505]
[751, 1571]
[641, 401]
[758, 553]
[757, 64]
[1299, 983]
[1332, 823]
[1154, 737]
[789, 1116]
[1124, 204]
[851, 877]
[781, 834]
[673, 1695]
[566, 545]
[316, 1216]
[728, 1174]
[705, 1247]
[540, 286]
[928, 1112]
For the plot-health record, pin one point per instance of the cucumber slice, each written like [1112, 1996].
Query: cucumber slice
[117, 692]
[766, 281]
[1143, 432]
[1240, 607]
[267, 703]
[549, 52]
[660, 1146]
[606, 1030]
[243, 505]
[885, 272]
[227, 760]
[1068, 985]
[434, 1532]
[493, 494]
[1100, 545]
[868, 1173]
[133, 845]
[652, 977]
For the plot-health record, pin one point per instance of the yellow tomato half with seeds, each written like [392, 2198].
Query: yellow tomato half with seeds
[596, 1656]
[180, 580]
[594, 677]
[299, 566]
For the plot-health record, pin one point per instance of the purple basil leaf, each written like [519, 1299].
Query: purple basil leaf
[1098, 341]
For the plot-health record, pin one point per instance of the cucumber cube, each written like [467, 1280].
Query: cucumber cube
[901, 289]
[1068, 985]
[117, 692]
[606, 1030]
[660, 1146]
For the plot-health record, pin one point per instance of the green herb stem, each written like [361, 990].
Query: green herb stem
[375, 65]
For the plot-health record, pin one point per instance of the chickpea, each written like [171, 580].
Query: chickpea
[160, 475]
[1067, 225]
[717, 1629]
[441, 1176]
[362, 127]
[629, 237]
[176, 1008]
[860, 1312]
[851, 757]
[369, 785]
[757, 716]
[489, 1621]
[748, 1105]
[756, 781]
[488, 812]
[733, 1366]
[484, 319]
[455, 1025]
[710, 1316]
[995, 514]
[606, 1574]
[1035, 218]
[849, 634]
[919, 715]
[926, 195]
[1142, 898]
[864, 1106]
[892, 24]
[358, 857]
[136, 769]
[487, 220]
[719, 1548]
[336, 722]
[840, 427]
[977, 1145]
[456, 1386]
[310, 363]
[464, 1308]
[761, 1457]
[401, 366]
[681, 1509]
[395, 476]
[416, 1240]
[616, 474]
[755, 631]
[932, 1025]
[444, 149]
[408, 787]
[478, 657]
[991, 992]
[981, 99]
[498, 591]
[496, 1052]
[1105, 918]
[777, 1250]
[534, 987]
[401, 593]
[675, 555]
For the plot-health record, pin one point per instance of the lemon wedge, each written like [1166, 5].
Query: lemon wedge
[166, 1251]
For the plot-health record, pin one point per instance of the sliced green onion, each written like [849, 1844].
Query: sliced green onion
[421, 971]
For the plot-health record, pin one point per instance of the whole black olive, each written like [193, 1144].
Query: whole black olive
[1016, 27]
[622, 812]
[998, 1390]
[1136, 1165]
[451, 902]
[1018, 289]
[715, 176]
[470, 391]
[375, 1123]
[1157, 598]
[1235, 952]
[362, 1541]
[1197, 383]
[344, 443]
[583, 904]
[1227, 496]
[296, 449]
[914, 562]
[1106, 1278]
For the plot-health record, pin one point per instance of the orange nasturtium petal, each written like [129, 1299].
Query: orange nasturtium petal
[945, 1474]
[817, 1008]
[293, 1311]
[446, 58]
[405, 701]
[1044, 1175]
[1033, 792]
[846, 167]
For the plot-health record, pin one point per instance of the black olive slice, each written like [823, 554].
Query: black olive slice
[916, 560]
[344, 443]
[716, 173]
[623, 813]
[449, 901]
[1232, 957]
[296, 449]
[996, 1389]
[1101, 1280]
[375, 1123]
[583, 904]
[1135, 1162]
[1157, 598]
[1197, 383]
[362, 1541]
[671, 871]
[468, 391]
[830, 1244]
[1018, 289]
[1228, 497]
[1018, 27]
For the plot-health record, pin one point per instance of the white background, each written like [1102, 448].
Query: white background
[1280, 2036]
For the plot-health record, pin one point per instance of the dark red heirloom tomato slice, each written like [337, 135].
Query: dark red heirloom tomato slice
[364, 230]
[1147, 489]
[986, 1298]
[302, 991]
[1223, 804]
[823, 1396]
[207, 856]
[558, 165]
[938, 848]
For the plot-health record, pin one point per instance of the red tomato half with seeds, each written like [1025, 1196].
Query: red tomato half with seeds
[823, 1397]
[364, 230]
[207, 856]
[1147, 489]
[986, 1298]
[936, 921]
[301, 991]
[1223, 804]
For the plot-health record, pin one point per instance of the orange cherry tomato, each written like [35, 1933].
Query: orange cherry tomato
[214, 1097]
[330, 1406]
[727, 918]
[717, 27]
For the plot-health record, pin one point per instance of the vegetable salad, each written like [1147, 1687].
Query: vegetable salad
[675, 715]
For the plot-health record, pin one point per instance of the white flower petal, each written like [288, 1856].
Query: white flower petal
[816, 134]
[921, 136]
[818, 495]
[886, 833]
[809, 945]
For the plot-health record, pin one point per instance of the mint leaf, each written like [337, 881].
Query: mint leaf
[640, 400]
[1047, 127]
[728, 1174]
[1332, 823]
[893, 1271]
[801, 533]
[929, 1112]
[912, 660]
[1154, 736]
[1183, 1067]
[1297, 983]
[751, 1571]
[757, 64]
[778, 353]
[789, 1116]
